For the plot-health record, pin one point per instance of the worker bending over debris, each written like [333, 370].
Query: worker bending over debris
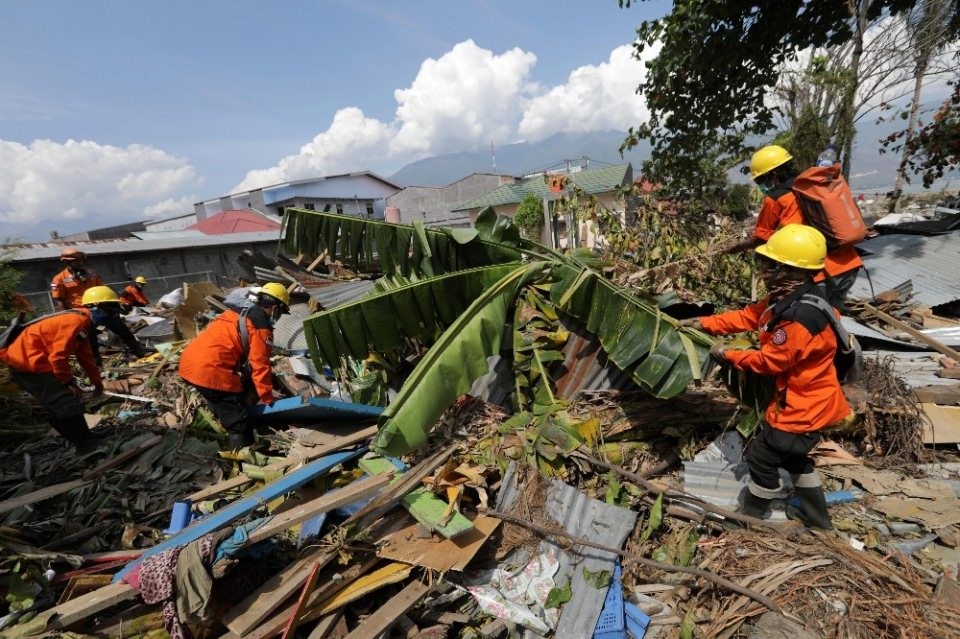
[232, 352]
[133, 295]
[774, 171]
[39, 361]
[797, 348]
[70, 285]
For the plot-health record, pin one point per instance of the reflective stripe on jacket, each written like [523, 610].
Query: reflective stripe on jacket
[808, 395]
[212, 358]
[67, 288]
[45, 346]
[780, 207]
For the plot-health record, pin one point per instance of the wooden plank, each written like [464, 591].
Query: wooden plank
[437, 554]
[942, 425]
[326, 625]
[388, 614]
[338, 442]
[947, 395]
[903, 326]
[330, 501]
[78, 609]
[48, 492]
[275, 624]
[301, 600]
[319, 260]
[245, 505]
[243, 618]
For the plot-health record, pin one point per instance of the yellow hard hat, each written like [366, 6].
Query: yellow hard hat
[99, 295]
[796, 245]
[140, 279]
[277, 291]
[767, 159]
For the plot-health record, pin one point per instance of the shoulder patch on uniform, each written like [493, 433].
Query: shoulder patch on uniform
[779, 337]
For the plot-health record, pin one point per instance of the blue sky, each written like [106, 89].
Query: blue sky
[114, 110]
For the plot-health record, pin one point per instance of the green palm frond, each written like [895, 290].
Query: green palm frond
[382, 321]
[398, 248]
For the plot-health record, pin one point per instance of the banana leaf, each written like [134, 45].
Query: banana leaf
[369, 245]
[450, 367]
[635, 335]
[380, 322]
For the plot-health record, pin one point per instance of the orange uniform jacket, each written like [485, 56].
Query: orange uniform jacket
[46, 346]
[67, 288]
[133, 296]
[212, 359]
[780, 208]
[798, 352]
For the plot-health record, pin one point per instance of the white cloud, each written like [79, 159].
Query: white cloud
[595, 98]
[77, 180]
[467, 98]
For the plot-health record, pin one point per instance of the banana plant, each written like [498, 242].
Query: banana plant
[470, 292]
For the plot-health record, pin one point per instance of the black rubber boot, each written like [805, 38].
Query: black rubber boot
[813, 508]
[236, 441]
[754, 506]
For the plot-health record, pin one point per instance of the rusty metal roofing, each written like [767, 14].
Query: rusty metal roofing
[932, 263]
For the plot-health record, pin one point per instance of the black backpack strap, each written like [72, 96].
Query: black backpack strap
[244, 332]
[844, 340]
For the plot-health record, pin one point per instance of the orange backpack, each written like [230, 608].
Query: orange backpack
[827, 204]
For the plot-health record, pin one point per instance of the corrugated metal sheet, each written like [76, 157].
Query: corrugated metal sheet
[580, 516]
[931, 262]
[916, 369]
[288, 330]
[586, 365]
[337, 293]
[50, 250]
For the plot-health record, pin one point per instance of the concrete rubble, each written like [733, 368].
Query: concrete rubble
[313, 533]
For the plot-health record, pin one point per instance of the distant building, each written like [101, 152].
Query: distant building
[117, 232]
[438, 205]
[241, 221]
[362, 193]
[603, 183]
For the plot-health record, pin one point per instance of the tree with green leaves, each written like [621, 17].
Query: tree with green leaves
[529, 216]
[9, 280]
[934, 148]
[709, 87]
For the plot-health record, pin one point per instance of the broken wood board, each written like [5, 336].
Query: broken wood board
[332, 500]
[388, 614]
[48, 492]
[828, 453]
[275, 624]
[903, 326]
[245, 505]
[243, 618]
[944, 395]
[81, 585]
[326, 625]
[408, 546]
[194, 302]
[64, 615]
[389, 574]
[291, 626]
[942, 425]
[933, 513]
[886, 482]
[334, 443]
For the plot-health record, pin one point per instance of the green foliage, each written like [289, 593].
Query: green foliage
[935, 148]
[806, 138]
[529, 216]
[9, 280]
[718, 60]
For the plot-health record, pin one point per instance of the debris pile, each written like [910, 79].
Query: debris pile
[577, 485]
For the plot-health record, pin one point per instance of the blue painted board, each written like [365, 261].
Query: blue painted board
[245, 505]
[314, 409]
[834, 498]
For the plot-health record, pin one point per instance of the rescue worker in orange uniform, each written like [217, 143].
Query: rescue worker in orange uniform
[39, 361]
[798, 350]
[215, 364]
[68, 285]
[774, 171]
[67, 289]
[133, 295]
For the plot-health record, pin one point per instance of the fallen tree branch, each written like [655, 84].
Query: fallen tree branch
[676, 495]
[703, 574]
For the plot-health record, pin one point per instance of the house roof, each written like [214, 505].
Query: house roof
[49, 250]
[592, 182]
[235, 221]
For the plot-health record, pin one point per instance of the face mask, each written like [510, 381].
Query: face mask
[98, 316]
[764, 188]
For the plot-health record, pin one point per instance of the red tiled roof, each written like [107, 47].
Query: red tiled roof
[235, 221]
